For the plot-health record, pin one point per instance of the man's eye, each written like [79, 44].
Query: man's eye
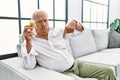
[45, 20]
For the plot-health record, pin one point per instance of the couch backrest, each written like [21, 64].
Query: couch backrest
[89, 41]
[82, 43]
[101, 38]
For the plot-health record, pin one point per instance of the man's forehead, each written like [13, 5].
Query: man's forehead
[41, 18]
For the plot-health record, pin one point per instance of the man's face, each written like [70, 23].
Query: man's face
[42, 25]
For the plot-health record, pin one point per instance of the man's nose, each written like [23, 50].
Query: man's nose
[43, 23]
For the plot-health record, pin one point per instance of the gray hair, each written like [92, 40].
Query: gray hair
[37, 13]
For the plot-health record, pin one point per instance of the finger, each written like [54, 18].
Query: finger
[70, 29]
[25, 28]
[28, 29]
[30, 34]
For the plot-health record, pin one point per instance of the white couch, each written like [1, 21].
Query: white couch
[90, 46]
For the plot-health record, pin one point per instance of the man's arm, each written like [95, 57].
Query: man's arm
[71, 26]
[78, 26]
[27, 50]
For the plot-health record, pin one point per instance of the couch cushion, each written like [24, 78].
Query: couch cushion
[111, 50]
[114, 39]
[82, 43]
[107, 59]
[101, 38]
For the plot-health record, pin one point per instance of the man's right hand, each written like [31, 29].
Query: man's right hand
[28, 32]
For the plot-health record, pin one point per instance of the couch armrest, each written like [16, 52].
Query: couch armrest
[19, 50]
[21, 41]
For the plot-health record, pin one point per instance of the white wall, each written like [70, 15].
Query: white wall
[74, 10]
[118, 8]
[114, 11]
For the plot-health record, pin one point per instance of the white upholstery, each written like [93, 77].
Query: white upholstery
[111, 50]
[82, 44]
[101, 38]
[11, 69]
[114, 39]
[108, 59]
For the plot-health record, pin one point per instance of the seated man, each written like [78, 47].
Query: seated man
[48, 48]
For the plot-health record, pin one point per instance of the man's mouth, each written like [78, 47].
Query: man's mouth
[43, 30]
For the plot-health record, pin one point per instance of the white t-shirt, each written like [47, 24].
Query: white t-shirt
[52, 53]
